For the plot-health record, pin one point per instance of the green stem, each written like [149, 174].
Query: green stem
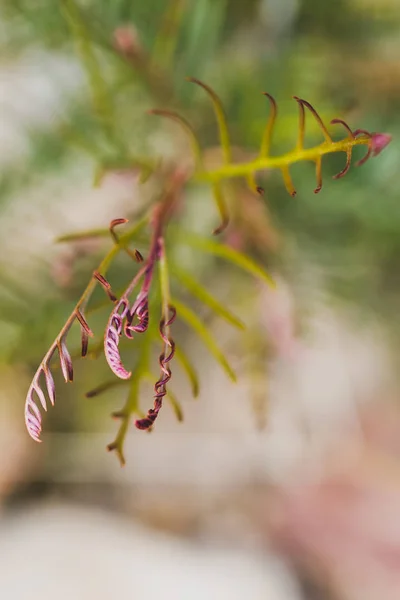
[132, 402]
[277, 162]
[164, 281]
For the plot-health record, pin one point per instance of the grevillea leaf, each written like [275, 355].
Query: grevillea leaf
[222, 208]
[267, 136]
[190, 317]
[176, 406]
[220, 116]
[202, 294]
[195, 145]
[104, 387]
[189, 369]
[228, 253]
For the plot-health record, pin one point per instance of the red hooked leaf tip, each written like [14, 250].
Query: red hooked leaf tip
[221, 227]
[341, 122]
[138, 256]
[270, 98]
[116, 222]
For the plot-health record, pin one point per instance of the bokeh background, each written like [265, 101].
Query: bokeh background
[287, 484]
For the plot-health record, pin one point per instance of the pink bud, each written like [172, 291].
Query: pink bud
[126, 40]
[379, 141]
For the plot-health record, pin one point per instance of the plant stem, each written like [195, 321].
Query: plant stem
[277, 162]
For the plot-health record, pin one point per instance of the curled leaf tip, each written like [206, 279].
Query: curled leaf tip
[111, 340]
[33, 417]
[174, 116]
[115, 447]
[221, 227]
[139, 312]
[316, 116]
[271, 99]
[318, 173]
[288, 181]
[220, 116]
[116, 222]
[267, 136]
[160, 388]
[119, 414]
[105, 285]
[138, 256]
[347, 128]
[222, 209]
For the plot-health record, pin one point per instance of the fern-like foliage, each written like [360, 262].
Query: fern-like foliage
[375, 143]
[131, 318]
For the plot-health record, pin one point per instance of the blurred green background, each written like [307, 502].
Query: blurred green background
[318, 362]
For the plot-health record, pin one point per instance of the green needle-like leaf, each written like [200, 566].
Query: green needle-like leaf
[222, 208]
[189, 370]
[204, 296]
[105, 232]
[222, 251]
[83, 235]
[221, 119]
[194, 143]
[194, 322]
[175, 404]
[104, 387]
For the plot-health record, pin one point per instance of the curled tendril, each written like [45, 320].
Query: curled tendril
[111, 339]
[160, 387]
[140, 311]
[135, 254]
[121, 318]
[36, 393]
[105, 285]
[33, 417]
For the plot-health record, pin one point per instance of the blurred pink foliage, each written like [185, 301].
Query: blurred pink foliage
[344, 530]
